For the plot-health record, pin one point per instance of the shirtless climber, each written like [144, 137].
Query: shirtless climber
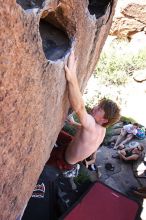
[92, 131]
[93, 126]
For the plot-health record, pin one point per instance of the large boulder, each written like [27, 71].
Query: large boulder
[36, 38]
[130, 18]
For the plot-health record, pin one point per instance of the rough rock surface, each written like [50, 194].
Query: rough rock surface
[36, 37]
[129, 19]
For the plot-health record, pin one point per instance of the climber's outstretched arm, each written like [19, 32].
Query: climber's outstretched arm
[75, 96]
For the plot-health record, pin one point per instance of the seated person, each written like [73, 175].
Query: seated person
[131, 153]
[127, 133]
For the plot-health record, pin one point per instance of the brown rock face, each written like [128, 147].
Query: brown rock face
[36, 38]
[130, 20]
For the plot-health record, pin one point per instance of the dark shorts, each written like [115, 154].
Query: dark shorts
[57, 156]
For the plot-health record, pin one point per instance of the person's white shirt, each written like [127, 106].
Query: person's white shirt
[130, 129]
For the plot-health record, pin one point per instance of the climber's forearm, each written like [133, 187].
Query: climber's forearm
[74, 94]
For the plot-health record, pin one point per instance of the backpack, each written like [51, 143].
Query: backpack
[140, 133]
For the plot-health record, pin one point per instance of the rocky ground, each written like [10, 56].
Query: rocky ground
[124, 175]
